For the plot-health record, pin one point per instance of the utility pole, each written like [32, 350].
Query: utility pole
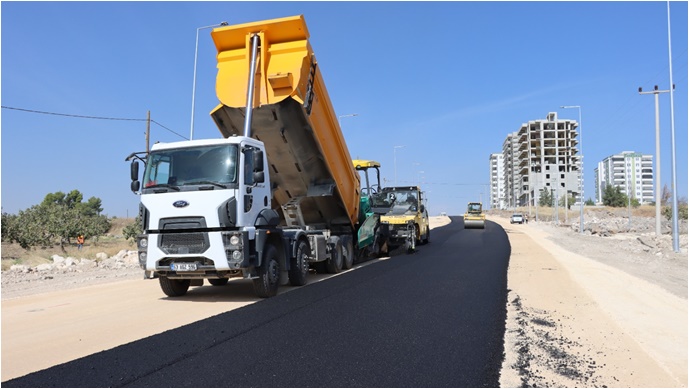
[657, 172]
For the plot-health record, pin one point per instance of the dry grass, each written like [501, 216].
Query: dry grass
[110, 244]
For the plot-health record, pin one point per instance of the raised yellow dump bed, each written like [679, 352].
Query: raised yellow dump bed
[292, 115]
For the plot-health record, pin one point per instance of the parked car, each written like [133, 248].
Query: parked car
[517, 218]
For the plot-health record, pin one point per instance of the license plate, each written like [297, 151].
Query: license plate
[183, 267]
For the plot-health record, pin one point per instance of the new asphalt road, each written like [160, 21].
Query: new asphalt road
[431, 319]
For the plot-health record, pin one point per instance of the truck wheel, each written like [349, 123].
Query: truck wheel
[334, 263]
[174, 288]
[347, 253]
[218, 281]
[411, 240]
[427, 239]
[299, 266]
[266, 285]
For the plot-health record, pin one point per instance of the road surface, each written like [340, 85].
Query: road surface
[432, 319]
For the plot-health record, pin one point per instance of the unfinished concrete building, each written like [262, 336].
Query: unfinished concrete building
[511, 190]
[542, 155]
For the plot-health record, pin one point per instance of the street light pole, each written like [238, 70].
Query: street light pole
[394, 152]
[193, 90]
[349, 115]
[581, 173]
[675, 231]
[657, 172]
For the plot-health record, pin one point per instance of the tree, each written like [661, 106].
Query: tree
[546, 199]
[665, 196]
[613, 196]
[589, 202]
[73, 200]
[682, 210]
[570, 201]
[132, 230]
[57, 219]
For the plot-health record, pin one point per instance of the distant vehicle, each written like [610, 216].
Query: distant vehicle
[443, 213]
[474, 216]
[517, 218]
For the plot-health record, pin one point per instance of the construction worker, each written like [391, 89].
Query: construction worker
[80, 242]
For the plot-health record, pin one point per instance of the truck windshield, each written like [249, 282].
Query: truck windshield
[204, 165]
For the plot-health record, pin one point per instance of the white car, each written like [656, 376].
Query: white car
[517, 218]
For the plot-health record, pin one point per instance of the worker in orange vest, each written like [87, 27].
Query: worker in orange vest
[80, 241]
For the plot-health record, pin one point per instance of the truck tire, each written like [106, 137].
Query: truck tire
[266, 285]
[347, 253]
[334, 264]
[427, 239]
[218, 281]
[299, 265]
[174, 288]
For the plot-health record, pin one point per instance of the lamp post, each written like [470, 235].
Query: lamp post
[394, 152]
[193, 90]
[581, 175]
[349, 115]
[657, 170]
[675, 231]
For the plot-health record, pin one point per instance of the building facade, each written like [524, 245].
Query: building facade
[542, 155]
[497, 181]
[510, 189]
[630, 171]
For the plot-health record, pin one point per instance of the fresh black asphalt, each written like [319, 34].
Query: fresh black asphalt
[435, 318]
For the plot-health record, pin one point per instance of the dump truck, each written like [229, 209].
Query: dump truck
[275, 195]
[407, 218]
[474, 216]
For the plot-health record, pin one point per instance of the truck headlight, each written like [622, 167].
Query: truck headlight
[234, 240]
[237, 255]
[142, 259]
[143, 243]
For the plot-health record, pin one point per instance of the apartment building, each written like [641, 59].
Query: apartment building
[542, 155]
[630, 171]
[510, 189]
[497, 181]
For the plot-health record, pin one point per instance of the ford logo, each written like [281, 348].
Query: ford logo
[180, 204]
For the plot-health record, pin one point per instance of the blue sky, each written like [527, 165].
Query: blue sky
[448, 80]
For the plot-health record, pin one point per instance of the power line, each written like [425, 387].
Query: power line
[91, 117]
[181, 136]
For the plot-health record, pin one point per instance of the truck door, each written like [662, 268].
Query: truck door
[255, 193]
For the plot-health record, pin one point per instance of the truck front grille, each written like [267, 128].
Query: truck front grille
[178, 235]
[184, 243]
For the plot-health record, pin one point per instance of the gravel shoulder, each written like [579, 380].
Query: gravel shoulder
[582, 311]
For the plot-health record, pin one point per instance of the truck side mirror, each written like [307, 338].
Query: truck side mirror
[134, 170]
[258, 162]
[135, 186]
[259, 177]
[423, 209]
